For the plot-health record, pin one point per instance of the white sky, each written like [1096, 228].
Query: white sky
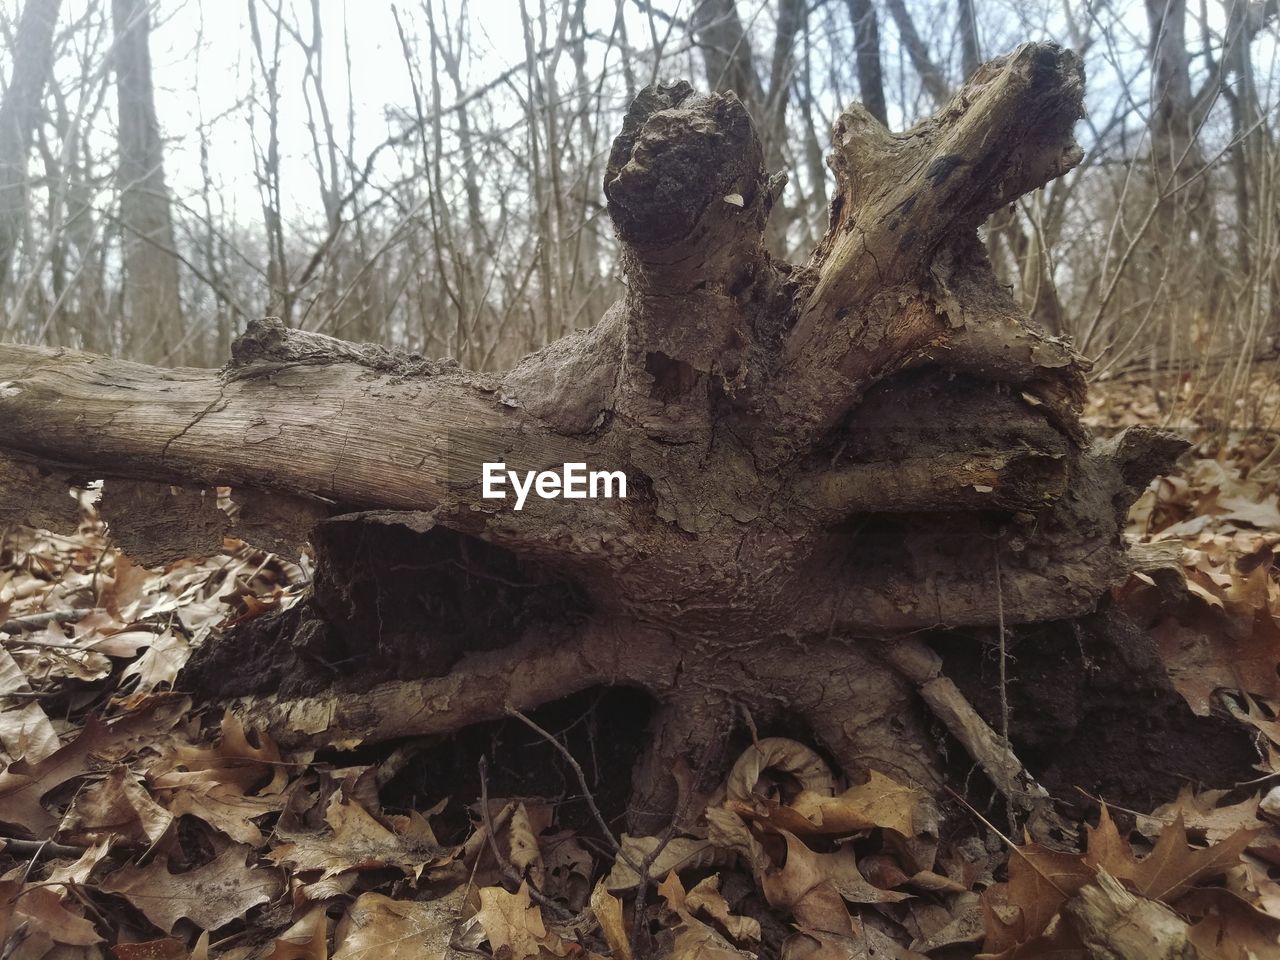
[204, 64]
[204, 68]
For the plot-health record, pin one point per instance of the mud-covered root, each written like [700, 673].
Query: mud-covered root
[688, 749]
[858, 712]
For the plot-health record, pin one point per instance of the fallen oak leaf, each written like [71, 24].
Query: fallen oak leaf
[677, 853]
[790, 869]
[1228, 927]
[569, 868]
[43, 911]
[879, 803]
[117, 807]
[525, 855]
[167, 948]
[1041, 881]
[1173, 866]
[692, 939]
[376, 927]
[166, 654]
[68, 873]
[1237, 647]
[23, 785]
[1202, 817]
[513, 924]
[232, 760]
[706, 897]
[125, 590]
[356, 840]
[796, 761]
[608, 913]
[210, 896]
[26, 733]
[224, 807]
[1021, 909]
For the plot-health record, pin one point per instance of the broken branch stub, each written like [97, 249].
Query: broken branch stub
[686, 190]
[901, 200]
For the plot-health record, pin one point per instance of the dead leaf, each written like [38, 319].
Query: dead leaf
[168, 948]
[166, 654]
[308, 939]
[608, 913]
[45, 912]
[210, 896]
[525, 855]
[1229, 928]
[1021, 910]
[25, 730]
[63, 873]
[355, 841]
[880, 802]
[379, 928]
[1202, 817]
[116, 807]
[125, 590]
[705, 897]
[778, 755]
[1236, 647]
[513, 924]
[232, 760]
[24, 784]
[678, 853]
[568, 870]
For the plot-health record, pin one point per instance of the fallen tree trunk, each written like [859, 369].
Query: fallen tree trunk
[818, 457]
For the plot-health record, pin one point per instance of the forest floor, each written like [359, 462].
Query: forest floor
[136, 822]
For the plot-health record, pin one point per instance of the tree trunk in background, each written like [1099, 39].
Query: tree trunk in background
[970, 57]
[154, 330]
[726, 50]
[1173, 121]
[866, 46]
[935, 84]
[1249, 131]
[730, 64]
[19, 114]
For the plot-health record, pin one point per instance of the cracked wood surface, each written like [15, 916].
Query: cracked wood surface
[339, 431]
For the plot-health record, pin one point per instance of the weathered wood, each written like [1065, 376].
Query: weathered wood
[901, 200]
[385, 432]
[874, 442]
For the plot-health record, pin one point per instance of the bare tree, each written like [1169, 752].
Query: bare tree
[20, 112]
[155, 329]
[866, 34]
[970, 56]
[462, 232]
[935, 83]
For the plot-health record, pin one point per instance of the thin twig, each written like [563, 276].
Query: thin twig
[1004, 685]
[504, 864]
[37, 849]
[35, 621]
[582, 780]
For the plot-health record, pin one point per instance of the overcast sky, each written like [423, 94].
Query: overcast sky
[204, 70]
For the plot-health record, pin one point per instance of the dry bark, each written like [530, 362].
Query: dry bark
[870, 443]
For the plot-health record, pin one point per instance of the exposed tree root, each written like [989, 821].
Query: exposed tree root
[812, 452]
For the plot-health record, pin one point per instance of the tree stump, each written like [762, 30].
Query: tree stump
[824, 460]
